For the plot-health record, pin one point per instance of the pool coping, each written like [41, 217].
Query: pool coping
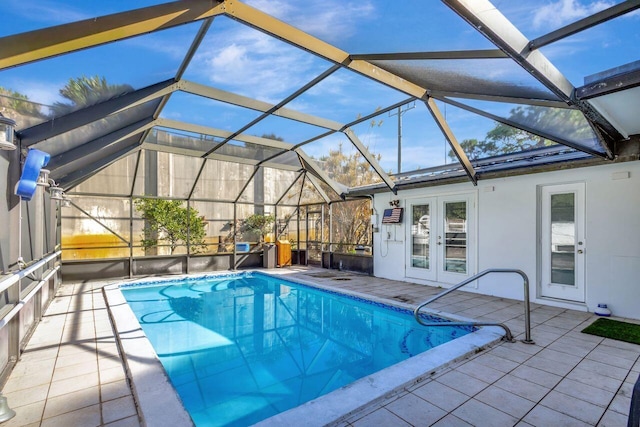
[159, 403]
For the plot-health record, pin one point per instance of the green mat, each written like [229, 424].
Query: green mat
[614, 329]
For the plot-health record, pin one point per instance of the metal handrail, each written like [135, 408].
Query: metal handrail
[509, 335]
[18, 306]
[7, 281]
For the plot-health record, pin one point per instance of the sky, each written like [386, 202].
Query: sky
[239, 59]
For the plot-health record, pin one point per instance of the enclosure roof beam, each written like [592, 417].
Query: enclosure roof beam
[65, 163]
[135, 173]
[270, 25]
[489, 21]
[275, 165]
[289, 188]
[585, 23]
[608, 85]
[205, 130]
[195, 44]
[318, 187]
[197, 153]
[281, 104]
[355, 122]
[304, 179]
[452, 140]
[525, 128]
[503, 99]
[309, 164]
[103, 225]
[48, 42]
[273, 156]
[253, 162]
[437, 55]
[75, 178]
[246, 184]
[253, 104]
[370, 159]
[79, 118]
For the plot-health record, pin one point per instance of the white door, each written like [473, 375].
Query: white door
[439, 246]
[421, 261]
[563, 242]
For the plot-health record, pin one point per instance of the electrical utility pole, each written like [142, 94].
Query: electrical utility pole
[399, 112]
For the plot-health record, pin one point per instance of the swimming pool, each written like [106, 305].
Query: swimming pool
[240, 348]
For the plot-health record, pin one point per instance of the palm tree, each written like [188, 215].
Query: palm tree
[85, 91]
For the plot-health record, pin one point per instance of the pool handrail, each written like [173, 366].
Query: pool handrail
[509, 335]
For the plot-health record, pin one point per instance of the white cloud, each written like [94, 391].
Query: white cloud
[256, 65]
[329, 20]
[46, 11]
[247, 61]
[322, 147]
[335, 22]
[42, 92]
[561, 12]
[276, 8]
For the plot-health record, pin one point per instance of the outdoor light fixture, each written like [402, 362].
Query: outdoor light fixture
[6, 133]
[43, 178]
[56, 192]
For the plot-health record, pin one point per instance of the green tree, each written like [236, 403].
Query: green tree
[504, 139]
[170, 221]
[86, 91]
[259, 224]
[11, 100]
[351, 219]
[272, 136]
[475, 149]
[351, 224]
[351, 169]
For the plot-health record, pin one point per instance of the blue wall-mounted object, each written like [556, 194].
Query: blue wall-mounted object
[35, 161]
[242, 247]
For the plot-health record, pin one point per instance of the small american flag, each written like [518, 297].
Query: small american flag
[392, 216]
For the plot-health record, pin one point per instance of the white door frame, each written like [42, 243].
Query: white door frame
[569, 238]
[422, 236]
[438, 239]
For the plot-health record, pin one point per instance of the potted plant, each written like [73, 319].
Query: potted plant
[260, 224]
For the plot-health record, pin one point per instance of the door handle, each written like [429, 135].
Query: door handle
[580, 251]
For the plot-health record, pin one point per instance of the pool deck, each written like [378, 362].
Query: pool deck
[71, 373]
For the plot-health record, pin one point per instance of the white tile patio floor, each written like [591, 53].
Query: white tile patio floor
[71, 373]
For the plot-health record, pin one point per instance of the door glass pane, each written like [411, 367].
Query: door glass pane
[455, 239]
[563, 239]
[314, 242]
[420, 231]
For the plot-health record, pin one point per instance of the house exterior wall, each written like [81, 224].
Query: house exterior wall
[507, 235]
[38, 234]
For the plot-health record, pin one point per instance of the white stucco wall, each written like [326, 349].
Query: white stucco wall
[507, 236]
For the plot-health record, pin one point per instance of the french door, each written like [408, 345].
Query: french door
[563, 242]
[440, 244]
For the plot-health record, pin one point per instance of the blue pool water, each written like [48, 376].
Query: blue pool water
[240, 348]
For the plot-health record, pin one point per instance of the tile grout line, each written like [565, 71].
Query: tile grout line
[563, 378]
[565, 333]
[95, 337]
[46, 400]
[617, 391]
